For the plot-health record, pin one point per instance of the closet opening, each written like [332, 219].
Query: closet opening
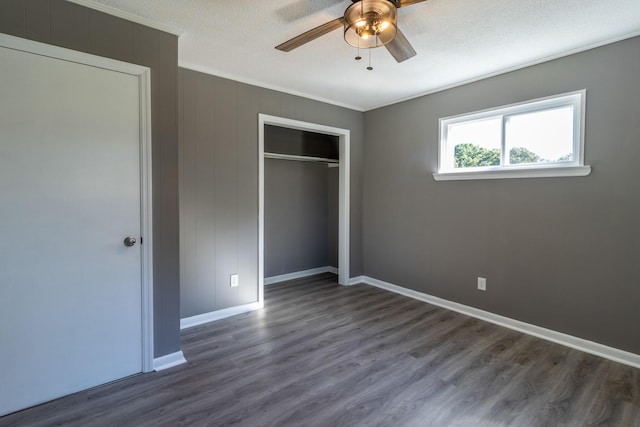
[306, 158]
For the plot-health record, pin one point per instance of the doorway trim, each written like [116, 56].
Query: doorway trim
[146, 203]
[343, 196]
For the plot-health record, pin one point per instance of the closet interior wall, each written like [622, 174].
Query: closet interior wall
[301, 203]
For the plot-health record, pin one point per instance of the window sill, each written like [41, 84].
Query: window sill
[511, 173]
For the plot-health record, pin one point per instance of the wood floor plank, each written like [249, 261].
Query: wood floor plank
[320, 354]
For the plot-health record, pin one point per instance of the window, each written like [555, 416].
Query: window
[539, 138]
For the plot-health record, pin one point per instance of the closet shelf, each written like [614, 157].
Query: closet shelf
[300, 158]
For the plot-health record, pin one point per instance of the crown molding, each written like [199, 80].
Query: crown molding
[128, 16]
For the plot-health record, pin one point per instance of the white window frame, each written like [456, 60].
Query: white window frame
[576, 167]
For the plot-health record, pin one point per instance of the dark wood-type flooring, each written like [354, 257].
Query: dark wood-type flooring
[324, 355]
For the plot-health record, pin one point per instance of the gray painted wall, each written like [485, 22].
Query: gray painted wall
[333, 195]
[561, 253]
[69, 25]
[219, 184]
[296, 216]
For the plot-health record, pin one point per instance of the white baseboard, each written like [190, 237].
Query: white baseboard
[168, 361]
[356, 280]
[299, 274]
[581, 344]
[189, 322]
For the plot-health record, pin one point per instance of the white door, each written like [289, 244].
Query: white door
[70, 290]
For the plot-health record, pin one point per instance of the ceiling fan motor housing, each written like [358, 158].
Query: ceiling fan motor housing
[370, 23]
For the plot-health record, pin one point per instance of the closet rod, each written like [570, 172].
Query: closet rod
[299, 158]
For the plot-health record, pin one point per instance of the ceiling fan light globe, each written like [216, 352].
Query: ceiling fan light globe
[368, 18]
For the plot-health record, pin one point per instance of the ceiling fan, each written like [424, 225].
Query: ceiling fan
[367, 24]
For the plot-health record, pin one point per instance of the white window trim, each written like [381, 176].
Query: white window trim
[564, 169]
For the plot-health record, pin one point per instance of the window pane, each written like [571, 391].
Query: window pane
[476, 143]
[540, 137]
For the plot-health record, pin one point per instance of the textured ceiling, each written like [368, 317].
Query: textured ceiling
[457, 41]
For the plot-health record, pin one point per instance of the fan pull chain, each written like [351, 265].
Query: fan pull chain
[370, 68]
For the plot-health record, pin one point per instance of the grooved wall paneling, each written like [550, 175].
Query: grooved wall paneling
[296, 216]
[333, 195]
[13, 17]
[225, 167]
[111, 37]
[70, 26]
[38, 20]
[219, 184]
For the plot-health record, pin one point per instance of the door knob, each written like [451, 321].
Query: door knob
[129, 241]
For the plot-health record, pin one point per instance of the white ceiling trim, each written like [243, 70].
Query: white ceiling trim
[240, 79]
[459, 42]
[237, 78]
[127, 16]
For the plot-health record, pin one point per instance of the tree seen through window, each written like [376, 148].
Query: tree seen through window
[472, 156]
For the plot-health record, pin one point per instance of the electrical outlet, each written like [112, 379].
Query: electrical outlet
[234, 280]
[482, 283]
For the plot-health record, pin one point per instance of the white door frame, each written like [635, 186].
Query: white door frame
[146, 225]
[343, 197]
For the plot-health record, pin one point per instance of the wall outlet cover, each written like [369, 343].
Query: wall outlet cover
[234, 280]
[482, 283]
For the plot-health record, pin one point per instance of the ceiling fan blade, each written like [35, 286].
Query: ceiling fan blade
[311, 35]
[400, 48]
[405, 3]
